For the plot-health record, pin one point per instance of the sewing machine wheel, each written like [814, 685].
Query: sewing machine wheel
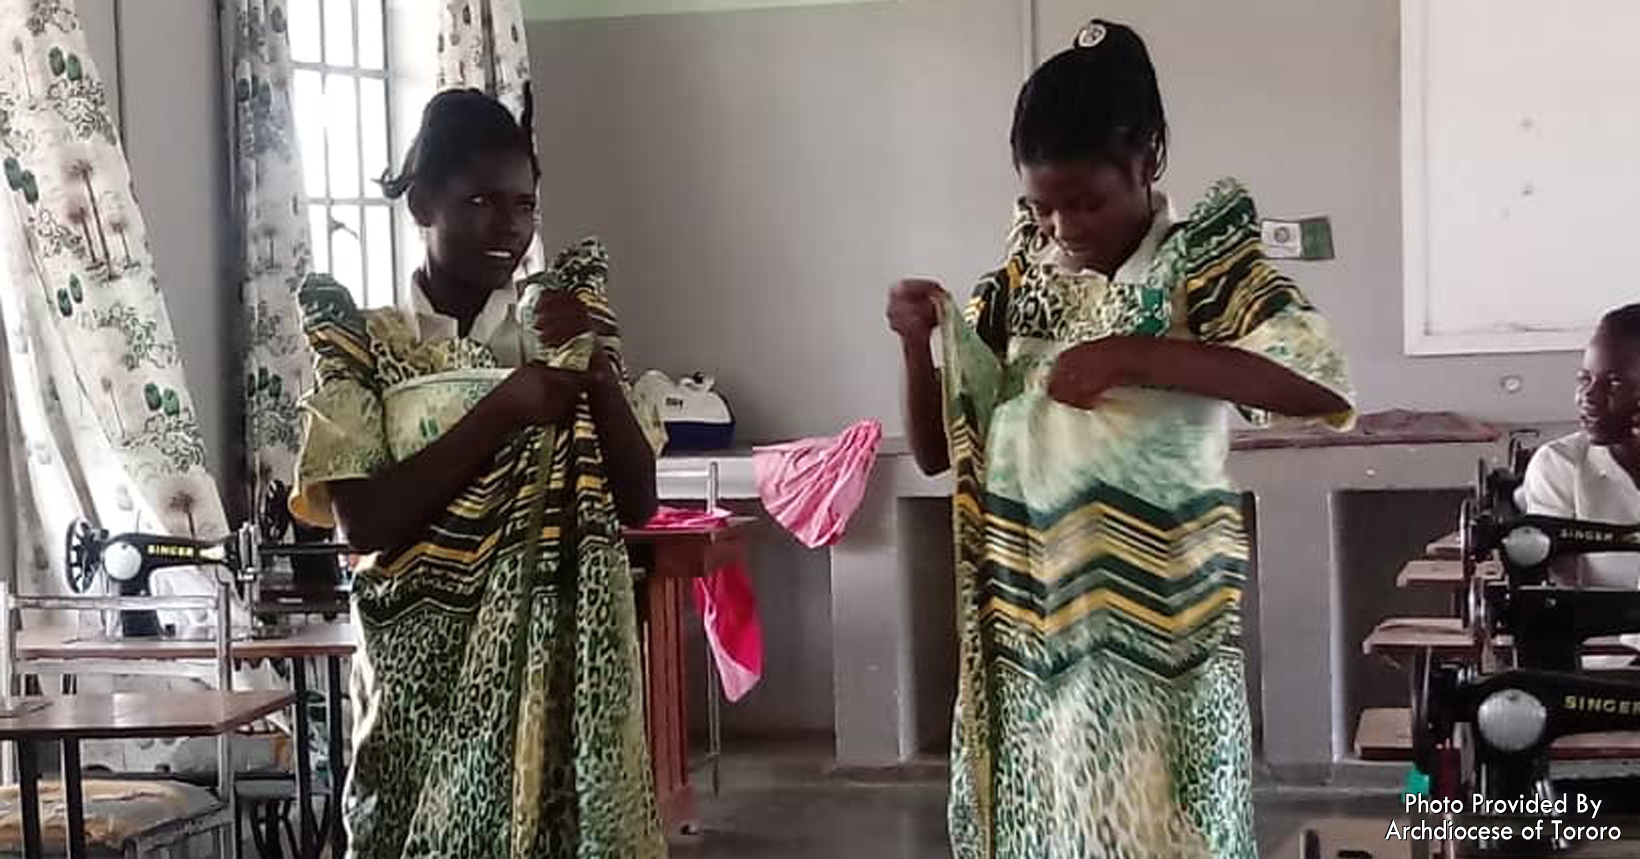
[1433, 690]
[275, 519]
[1478, 619]
[82, 555]
[1480, 481]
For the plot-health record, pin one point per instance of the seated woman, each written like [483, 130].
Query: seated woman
[497, 709]
[1592, 474]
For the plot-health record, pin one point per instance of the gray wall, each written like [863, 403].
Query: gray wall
[762, 176]
[161, 58]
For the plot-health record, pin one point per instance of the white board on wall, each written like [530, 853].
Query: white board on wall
[1520, 171]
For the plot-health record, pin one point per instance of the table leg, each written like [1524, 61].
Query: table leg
[338, 765]
[232, 842]
[74, 799]
[28, 783]
[309, 845]
[667, 680]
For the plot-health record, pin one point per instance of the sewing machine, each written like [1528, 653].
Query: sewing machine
[125, 563]
[1508, 715]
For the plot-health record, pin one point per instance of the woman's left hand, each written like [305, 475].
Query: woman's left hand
[560, 317]
[1082, 374]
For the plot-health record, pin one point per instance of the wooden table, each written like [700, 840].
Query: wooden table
[69, 719]
[87, 651]
[1446, 637]
[666, 560]
[1446, 548]
[1442, 574]
[1385, 734]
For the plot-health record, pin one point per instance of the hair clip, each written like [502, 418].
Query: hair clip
[1090, 35]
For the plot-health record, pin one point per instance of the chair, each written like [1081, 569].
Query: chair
[130, 818]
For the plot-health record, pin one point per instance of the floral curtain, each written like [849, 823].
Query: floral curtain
[481, 44]
[98, 419]
[94, 379]
[274, 250]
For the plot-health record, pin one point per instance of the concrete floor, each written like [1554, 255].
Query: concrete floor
[782, 802]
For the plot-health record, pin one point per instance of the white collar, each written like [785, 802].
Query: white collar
[428, 323]
[1137, 267]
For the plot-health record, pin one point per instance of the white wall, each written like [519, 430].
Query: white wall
[762, 176]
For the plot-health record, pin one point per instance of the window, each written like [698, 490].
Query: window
[343, 119]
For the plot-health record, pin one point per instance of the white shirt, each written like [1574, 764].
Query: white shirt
[496, 325]
[1571, 478]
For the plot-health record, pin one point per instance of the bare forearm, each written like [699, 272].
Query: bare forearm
[392, 508]
[629, 461]
[924, 408]
[1236, 376]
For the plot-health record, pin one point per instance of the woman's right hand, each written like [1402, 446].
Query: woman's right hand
[538, 395]
[912, 309]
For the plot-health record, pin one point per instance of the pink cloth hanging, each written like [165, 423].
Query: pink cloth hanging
[727, 607]
[812, 486]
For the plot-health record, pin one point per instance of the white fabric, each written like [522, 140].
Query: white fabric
[496, 326]
[1571, 478]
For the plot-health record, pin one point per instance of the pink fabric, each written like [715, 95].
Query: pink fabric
[673, 517]
[812, 487]
[727, 607]
[728, 611]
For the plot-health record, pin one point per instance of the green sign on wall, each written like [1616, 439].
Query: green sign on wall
[548, 10]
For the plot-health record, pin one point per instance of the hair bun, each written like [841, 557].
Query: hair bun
[1090, 35]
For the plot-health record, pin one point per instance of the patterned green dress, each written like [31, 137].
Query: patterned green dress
[497, 708]
[1102, 702]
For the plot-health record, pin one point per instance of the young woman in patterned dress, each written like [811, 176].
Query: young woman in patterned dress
[1102, 705]
[497, 708]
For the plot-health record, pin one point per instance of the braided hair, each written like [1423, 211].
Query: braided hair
[1096, 101]
[458, 127]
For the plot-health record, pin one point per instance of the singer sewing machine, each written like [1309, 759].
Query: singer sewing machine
[1507, 716]
[125, 563]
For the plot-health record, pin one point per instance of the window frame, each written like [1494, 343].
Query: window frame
[367, 293]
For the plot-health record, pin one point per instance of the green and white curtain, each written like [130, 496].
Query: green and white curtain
[482, 44]
[93, 381]
[273, 237]
[99, 421]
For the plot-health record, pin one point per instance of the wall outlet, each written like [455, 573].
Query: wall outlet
[1307, 239]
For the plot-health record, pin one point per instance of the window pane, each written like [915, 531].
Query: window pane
[319, 235]
[308, 103]
[304, 30]
[371, 30]
[373, 116]
[378, 248]
[342, 134]
[346, 262]
[339, 32]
